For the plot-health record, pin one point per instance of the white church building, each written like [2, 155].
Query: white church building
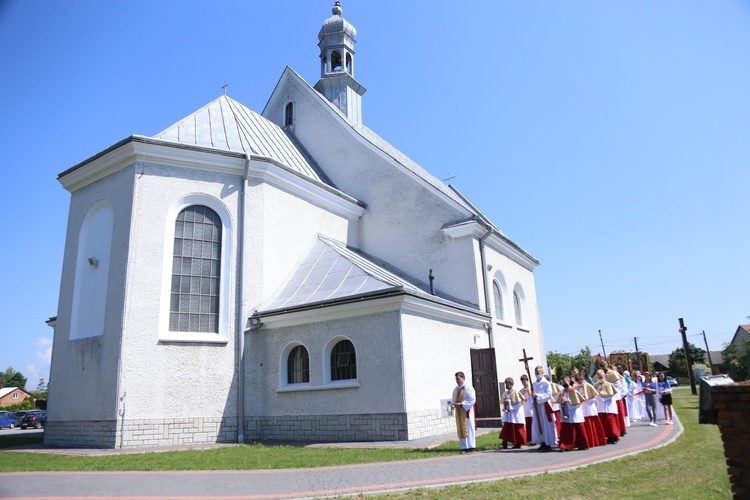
[287, 275]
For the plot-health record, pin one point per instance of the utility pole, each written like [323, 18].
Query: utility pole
[635, 339]
[708, 353]
[600, 340]
[688, 358]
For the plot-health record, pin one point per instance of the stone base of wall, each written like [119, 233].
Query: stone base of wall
[327, 428]
[81, 434]
[307, 428]
[429, 423]
[140, 433]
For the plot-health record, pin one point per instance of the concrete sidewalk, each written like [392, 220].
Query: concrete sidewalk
[327, 481]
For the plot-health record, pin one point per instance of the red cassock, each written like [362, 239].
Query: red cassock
[573, 436]
[529, 424]
[610, 424]
[595, 431]
[513, 433]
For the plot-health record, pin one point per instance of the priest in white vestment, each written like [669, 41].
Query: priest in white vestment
[545, 432]
[463, 401]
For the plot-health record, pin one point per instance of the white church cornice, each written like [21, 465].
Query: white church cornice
[497, 241]
[146, 149]
[384, 301]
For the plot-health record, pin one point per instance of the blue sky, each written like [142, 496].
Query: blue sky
[608, 139]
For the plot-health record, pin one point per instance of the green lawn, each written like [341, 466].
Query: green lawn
[693, 467]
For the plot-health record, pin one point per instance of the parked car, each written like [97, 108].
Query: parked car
[33, 418]
[7, 419]
[672, 382]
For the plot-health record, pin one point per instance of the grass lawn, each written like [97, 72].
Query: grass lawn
[692, 467]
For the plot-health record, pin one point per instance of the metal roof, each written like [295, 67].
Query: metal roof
[228, 125]
[331, 271]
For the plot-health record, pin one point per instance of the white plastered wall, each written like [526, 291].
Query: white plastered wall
[400, 209]
[511, 339]
[433, 352]
[376, 338]
[83, 373]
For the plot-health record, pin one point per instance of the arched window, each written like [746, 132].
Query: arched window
[298, 366]
[343, 361]
[498, 294]
[196, 269]
[518, 307]
[289, 114]
[349, 63]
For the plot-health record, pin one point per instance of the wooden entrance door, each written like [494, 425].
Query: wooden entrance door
[484, 381]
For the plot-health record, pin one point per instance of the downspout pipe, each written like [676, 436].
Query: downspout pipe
[485, 281]
[241, 305]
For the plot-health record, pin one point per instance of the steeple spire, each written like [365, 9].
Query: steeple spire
[336, 41]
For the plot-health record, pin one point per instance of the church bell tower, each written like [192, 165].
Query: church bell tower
[336, 41]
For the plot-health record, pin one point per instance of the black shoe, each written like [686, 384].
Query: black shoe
[504, 445]
[515, 447]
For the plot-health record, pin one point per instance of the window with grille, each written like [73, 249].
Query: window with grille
[196, 264]
[343, 361]
[298, 366]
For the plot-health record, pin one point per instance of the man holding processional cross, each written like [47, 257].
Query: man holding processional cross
[463, 401]
[543, 428]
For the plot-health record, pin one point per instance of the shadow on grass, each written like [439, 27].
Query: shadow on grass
[17, 440]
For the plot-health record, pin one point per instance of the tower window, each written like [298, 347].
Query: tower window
[349, 63]
[289, 114]
[336, 60]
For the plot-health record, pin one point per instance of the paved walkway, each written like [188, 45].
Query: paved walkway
[324, 481]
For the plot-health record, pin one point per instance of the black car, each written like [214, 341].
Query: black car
[32, 418]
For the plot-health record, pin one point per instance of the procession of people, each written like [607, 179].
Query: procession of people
[579, 412]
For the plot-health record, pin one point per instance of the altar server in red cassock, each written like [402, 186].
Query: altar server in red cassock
[594, 429]
[608, 411]
[514, 423]
[573, 429]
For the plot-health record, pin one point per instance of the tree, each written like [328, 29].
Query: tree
[583, 359]
[737, 361]
[678, 363]
[560, 363]
[41, 390]
[12, 378]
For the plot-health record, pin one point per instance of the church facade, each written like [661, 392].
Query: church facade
[287, 275]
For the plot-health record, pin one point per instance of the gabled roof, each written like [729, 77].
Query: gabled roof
[228, 125]
[331, 272]
[7, 390]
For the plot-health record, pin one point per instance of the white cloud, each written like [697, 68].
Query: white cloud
[41, 368]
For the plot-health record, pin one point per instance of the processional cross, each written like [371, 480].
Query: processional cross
[526, 360]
